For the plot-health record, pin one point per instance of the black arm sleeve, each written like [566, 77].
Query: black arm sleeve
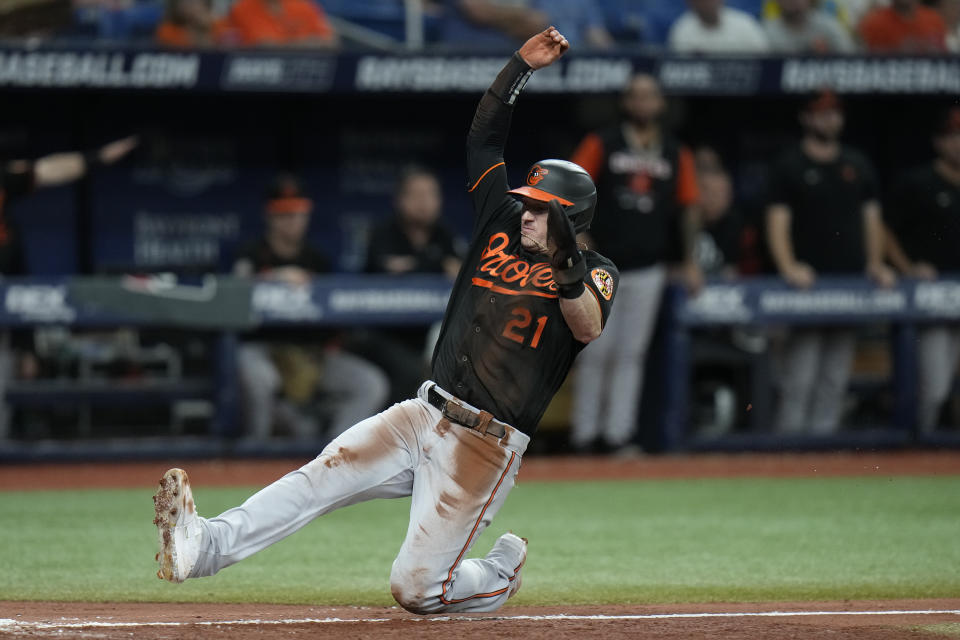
[486, 173]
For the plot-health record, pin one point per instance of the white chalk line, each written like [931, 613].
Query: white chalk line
[17, 625]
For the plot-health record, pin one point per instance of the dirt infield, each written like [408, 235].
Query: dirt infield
[853, 620]
[262, 472]
[859, 620]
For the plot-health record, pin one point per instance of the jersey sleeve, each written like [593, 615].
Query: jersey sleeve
[602, 280]
[486, 170]
[687, 191]
[589, 154]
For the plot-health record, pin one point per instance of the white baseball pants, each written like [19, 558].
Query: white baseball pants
[458, 479]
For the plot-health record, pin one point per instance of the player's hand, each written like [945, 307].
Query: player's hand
[116, 150]
[544, 49]
[800, 275]
[881, 274]
[922, 271]
[567, 263]
[562, 239]
[291, 275]
[399, 264]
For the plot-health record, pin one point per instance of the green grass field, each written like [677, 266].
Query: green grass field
[597, 542]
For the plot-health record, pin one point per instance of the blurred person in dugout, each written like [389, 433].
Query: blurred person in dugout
[281, 23]
[646, 192]
[823, 217]
[281, 379]
[725, 248]
[17, 179]
[412, 240]
[721, 238]
[924, 242]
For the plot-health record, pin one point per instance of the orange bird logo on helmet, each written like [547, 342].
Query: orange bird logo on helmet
[537, 173]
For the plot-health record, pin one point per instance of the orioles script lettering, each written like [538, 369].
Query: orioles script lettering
[535, 279]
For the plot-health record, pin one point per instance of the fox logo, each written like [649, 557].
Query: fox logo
[537, 173]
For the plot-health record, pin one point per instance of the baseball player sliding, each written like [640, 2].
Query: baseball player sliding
[525, 303]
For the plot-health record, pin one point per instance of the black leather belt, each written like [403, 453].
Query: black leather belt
[454, 411]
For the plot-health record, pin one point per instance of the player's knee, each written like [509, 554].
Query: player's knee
[411, 592]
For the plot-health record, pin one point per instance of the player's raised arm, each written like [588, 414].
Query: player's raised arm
[486, 175]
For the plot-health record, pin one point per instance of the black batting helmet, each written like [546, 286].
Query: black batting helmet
[564, 181]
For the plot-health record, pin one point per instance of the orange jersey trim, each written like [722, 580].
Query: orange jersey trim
[687, 191]
[466, 545]
[480, 179]
[589, 155]
[486, 284]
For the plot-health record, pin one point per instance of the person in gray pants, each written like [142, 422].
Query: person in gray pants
[647, 197]
[923, 241]
[279, 378]
[822, 217]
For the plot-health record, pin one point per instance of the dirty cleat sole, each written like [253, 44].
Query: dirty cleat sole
[178, 529]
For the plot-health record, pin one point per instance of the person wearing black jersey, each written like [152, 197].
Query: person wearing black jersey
[822, 217]
[648, 196]
[924, 242]
[281, 371]
[525, 302]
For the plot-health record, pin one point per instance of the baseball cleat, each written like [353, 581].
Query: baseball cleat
[512, 546]
[517, 577]
[178, 526]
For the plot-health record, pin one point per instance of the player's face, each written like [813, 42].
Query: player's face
[823, 123]
[948, 148]
[292, 227]
[419, 200]
[533, 225]
[643, 100]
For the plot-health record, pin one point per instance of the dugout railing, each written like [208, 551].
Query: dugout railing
[223, 308]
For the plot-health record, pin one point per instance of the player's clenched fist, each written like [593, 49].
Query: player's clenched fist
[544, 48]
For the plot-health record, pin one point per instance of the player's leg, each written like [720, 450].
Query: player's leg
[372, 459]
[935, 367]
[830, 388]
[458, 489]
[359, 386]
[798, 368]
[259, 383]
[632, 334]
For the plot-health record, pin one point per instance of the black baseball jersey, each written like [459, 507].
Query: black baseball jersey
[388, 239]
[924, 213]
[641, 194]
[263, 258]
[826, 205]
[504, 346]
